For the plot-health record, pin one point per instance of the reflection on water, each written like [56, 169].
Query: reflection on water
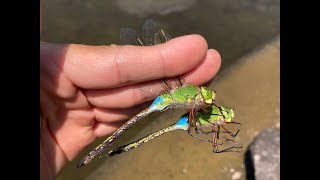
[232, 27]
[144, 8]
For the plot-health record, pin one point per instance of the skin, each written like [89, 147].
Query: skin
[89, 91]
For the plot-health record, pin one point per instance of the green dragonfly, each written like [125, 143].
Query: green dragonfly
[187, 96]
[215, 118]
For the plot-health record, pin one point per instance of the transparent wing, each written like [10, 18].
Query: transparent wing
[161, 37]
[153, 34]
[130, 37]
[149, 30]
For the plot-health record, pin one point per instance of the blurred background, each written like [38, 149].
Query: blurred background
[247, 35]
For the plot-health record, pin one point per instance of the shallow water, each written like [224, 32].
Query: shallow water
[234, 28]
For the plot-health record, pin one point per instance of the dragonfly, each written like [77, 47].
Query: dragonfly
[215, 117]
[187, 96]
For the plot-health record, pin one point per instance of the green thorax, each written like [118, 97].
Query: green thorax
[163, 101]
[215, 115]
[228, 113]
[208, 95]
[186, 93]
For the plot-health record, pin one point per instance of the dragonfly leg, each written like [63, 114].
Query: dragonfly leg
[233, 122]
[180, 79]
[201, 138]
[229, 149]
[215, 144]
[204, 109]
[230, 140]
[172, 82]
[209, 132]
[231, 134]
[189, 123]
[214, 138]
[167, 84]
[236, 142]
[206, 133]
[195, 123]
[200, 131]
[191, 119]
[218, 132]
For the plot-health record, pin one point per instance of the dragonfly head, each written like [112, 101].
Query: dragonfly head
[208, 95]
[228, 113]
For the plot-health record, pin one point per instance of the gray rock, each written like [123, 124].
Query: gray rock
[263, 156]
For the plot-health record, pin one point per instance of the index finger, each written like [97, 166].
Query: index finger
[99, 67]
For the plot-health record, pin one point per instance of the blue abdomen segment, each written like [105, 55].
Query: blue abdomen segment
[156, 103]
[182, 123]
[161, 102]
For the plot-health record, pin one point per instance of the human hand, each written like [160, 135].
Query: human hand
[89, 91]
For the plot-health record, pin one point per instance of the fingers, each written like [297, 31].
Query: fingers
[131, 95]
[125, 97]
[52, 78]
[113, 115]
[97, 67]
[72, 130]
[101, 129]
[206, 70]
[109, 120]
[85, 125]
